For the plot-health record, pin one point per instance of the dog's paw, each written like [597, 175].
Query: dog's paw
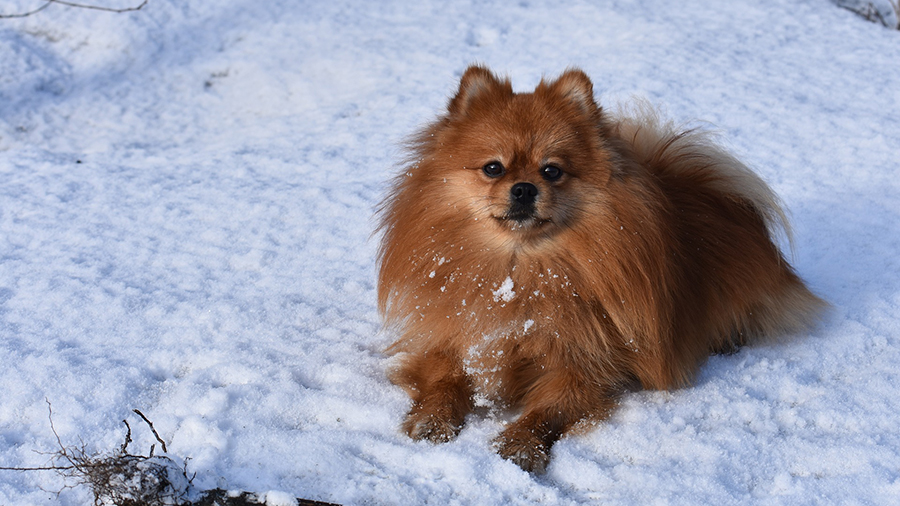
[529, 453]
[430, 427]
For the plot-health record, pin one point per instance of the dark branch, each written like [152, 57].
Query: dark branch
[123, 450]
[163, 443]
[99, 8]
[73, 4]
[26, 14]
[47, 468]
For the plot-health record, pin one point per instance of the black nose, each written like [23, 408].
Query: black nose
[523, 193]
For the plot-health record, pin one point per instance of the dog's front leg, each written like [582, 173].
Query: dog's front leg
[441, 394]
[554, 404]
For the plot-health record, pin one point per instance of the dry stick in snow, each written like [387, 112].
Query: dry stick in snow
[163, 443]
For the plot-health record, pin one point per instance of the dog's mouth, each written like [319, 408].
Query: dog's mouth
[522, 220]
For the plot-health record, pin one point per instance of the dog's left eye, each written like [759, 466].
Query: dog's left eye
[551, 172]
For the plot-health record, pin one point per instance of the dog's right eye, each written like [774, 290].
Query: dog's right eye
[493, 169]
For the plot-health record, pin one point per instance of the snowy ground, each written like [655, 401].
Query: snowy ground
[185, 228]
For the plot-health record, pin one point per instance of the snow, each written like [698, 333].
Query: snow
[278, 498]
[505, 292]
[186, 196]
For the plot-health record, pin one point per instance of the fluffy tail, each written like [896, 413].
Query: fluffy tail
[764, 293]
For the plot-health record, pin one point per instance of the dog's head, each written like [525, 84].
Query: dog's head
[520, 166]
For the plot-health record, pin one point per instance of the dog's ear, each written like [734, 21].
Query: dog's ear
[575, 87]
[477, 84]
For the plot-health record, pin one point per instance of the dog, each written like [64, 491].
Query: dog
[544, 255]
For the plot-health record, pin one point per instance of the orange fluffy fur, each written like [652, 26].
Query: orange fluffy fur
[649, 250]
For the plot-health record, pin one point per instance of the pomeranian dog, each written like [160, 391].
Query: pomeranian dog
[542, 255]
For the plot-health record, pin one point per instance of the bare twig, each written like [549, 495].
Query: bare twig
[74, 4]
[123, 450]
[163, 443]
[100, 8]
[52, 427]
[26, 14]
[48, 468]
